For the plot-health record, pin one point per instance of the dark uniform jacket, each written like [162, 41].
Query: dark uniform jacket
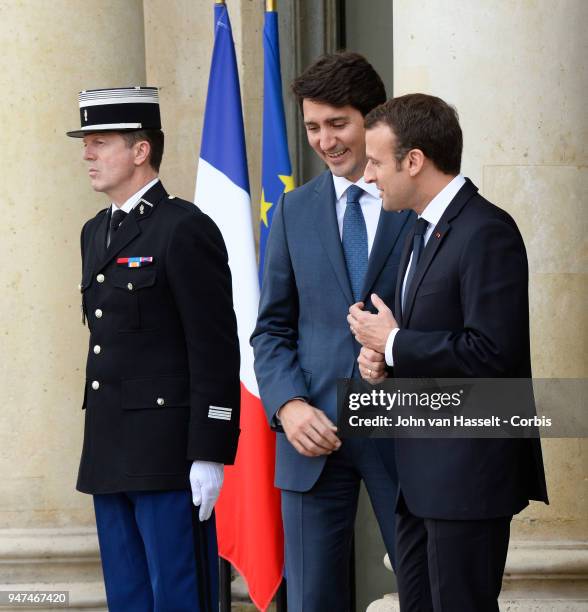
[162, 377]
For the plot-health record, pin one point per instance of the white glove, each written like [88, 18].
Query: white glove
[206, 480]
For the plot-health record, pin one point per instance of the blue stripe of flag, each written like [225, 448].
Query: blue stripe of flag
[223, 136]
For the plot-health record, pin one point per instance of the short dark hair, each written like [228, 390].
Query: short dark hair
[155, 139]
[341, 79]
[424, 122]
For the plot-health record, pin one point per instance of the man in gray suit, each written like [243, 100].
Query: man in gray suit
[330, 246]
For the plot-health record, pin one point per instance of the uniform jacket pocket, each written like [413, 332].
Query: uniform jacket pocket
[132, 279]
[157, 393]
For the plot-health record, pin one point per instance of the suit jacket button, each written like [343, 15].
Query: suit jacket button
[95, 385]
[160, 401]
[130, 286]
[97, 349]
[100, 278]
[98, 313]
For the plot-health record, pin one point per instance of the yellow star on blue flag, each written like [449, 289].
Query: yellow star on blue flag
[276, 170]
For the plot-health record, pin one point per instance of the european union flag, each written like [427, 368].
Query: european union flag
[276, 171]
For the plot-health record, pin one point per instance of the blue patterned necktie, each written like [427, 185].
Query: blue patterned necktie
[355, 241]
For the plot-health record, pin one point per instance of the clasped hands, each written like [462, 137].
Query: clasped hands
[372, 331]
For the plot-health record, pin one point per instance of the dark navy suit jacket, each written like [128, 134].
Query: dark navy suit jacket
[302, 342]
[466, 315]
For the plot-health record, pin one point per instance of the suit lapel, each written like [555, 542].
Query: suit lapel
[130, 228]
[439, 234]
[390, 226]
[328, 228]
[100, 235]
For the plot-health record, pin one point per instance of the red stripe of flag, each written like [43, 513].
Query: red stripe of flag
[252, 538]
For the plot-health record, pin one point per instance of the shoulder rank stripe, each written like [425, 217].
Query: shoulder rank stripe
[134, 262]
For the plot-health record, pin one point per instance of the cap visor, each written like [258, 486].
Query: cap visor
[82, 133]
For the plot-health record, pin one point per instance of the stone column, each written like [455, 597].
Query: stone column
[50, 51]
[517, 74]
[178, 47]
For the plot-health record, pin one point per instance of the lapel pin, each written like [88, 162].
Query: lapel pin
[141, 209]
[437, 235]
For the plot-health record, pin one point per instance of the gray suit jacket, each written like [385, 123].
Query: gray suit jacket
[302, 342]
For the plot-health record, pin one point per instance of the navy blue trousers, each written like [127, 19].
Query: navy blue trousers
[450, 566]
[318, 526]
[156, 555]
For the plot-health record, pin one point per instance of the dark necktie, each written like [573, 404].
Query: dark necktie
[418, 244]
[355, 241]
[118, 216]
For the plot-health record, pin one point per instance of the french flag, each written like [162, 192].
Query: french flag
[248, 514]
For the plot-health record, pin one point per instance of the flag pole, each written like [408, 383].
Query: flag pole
[224, 565]
[271, 6]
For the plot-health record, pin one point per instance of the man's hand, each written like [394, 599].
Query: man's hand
[206, 480]
[308, 429]
[372, 365]
[371, 330]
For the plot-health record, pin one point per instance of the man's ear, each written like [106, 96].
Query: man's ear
[416, 160]
[142, 152]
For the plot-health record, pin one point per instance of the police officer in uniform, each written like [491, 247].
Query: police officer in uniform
[162, 379]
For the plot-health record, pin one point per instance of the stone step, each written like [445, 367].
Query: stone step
[49, 556]
[67, 559]
[389, 603]
[539, 576]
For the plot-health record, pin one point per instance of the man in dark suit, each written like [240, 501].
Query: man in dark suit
[330, 245]
[161, 414]
[461, 310]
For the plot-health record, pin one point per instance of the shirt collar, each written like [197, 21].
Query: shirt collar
[341, 185]
[438, 205]
[134, 199]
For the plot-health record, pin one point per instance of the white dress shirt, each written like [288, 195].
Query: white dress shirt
[134, 199]
[432, 213]
[370, 202]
